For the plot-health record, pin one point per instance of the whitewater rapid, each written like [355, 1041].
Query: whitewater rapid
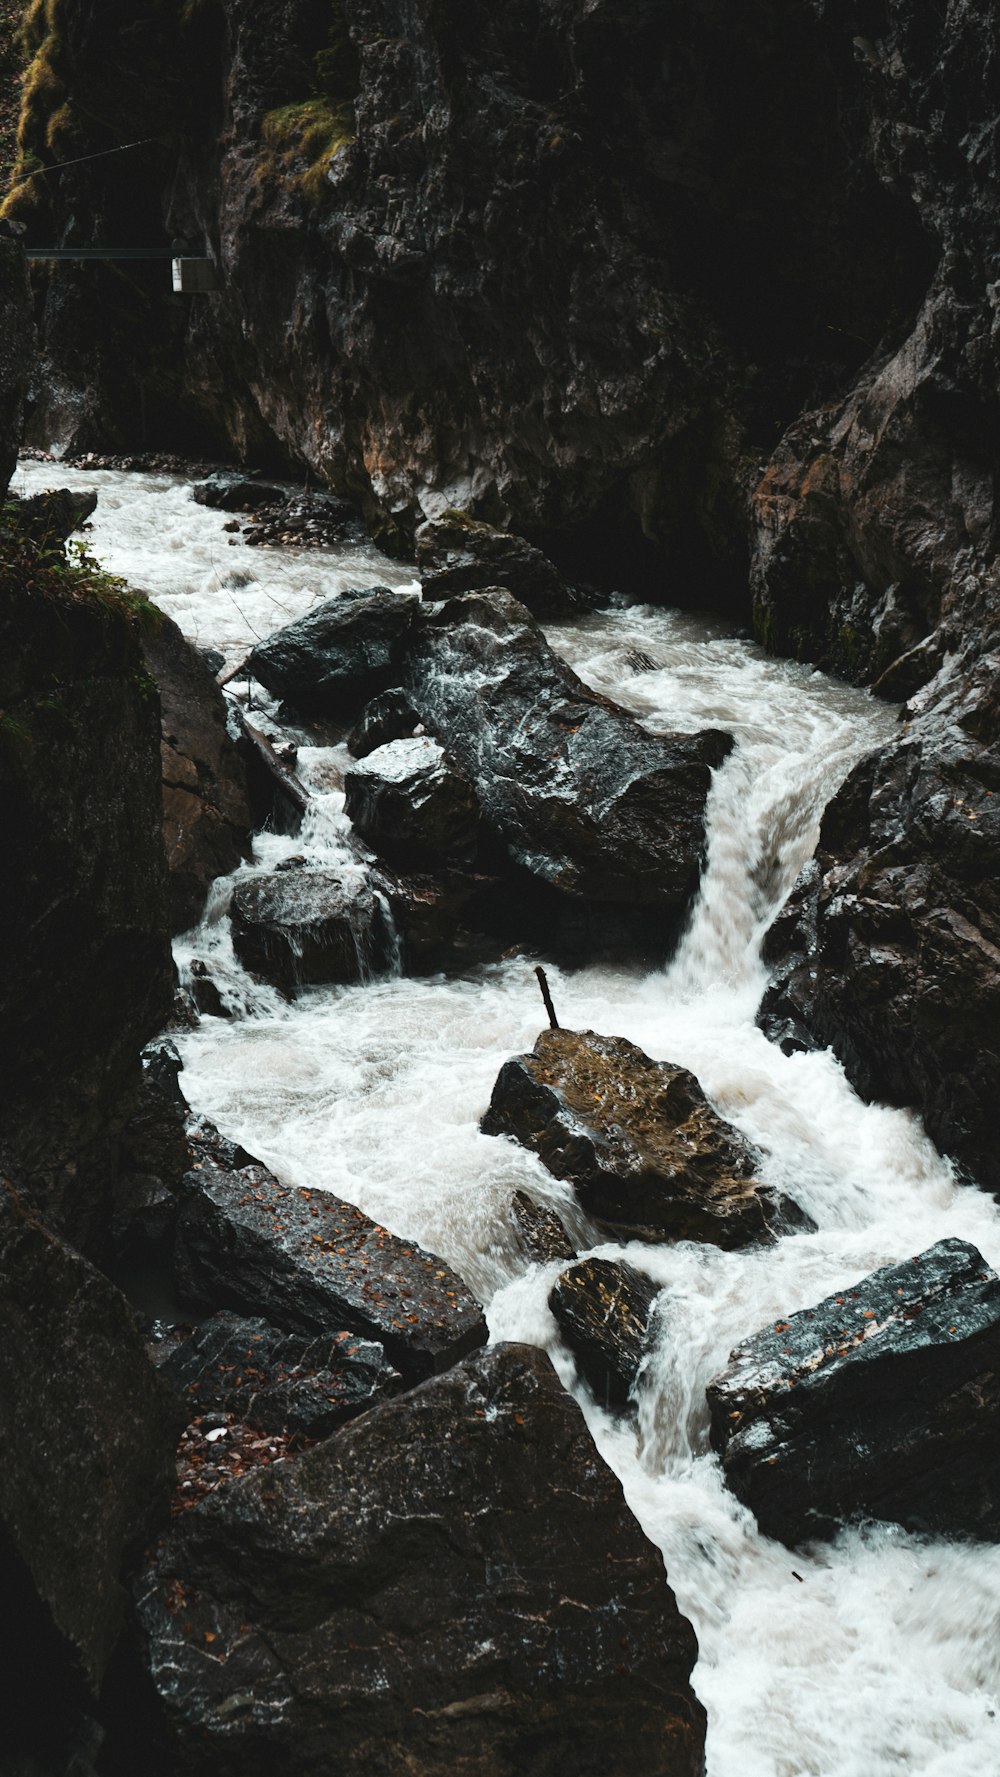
[876, 1654]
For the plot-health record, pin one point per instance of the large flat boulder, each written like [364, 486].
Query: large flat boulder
[312, 1264]
[578, 793]
[451, 1584]
[648, 1157]
[88, 1433]
[883, 1400]
[339, 655]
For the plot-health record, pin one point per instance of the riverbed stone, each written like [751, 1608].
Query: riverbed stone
[339, 655]
[648, 1157]
[451, 1583]
[539, 1230]
[882, 1401]
[310, 1263]
[412, 804]
[227, 491]
[296, 927]
[603, 1308]
[575, 790]
[277, 1381]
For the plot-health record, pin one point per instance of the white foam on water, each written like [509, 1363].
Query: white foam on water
[867, 1657]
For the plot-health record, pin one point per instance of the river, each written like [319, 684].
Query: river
[872, 1655]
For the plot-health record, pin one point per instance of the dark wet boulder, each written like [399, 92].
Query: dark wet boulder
[227, 492]
[882, 1401]
[278, 1381]
[206, 814]
[390, 716]
[296, 927]
[889, 947]
[278, 800]
[577, 792]
[88, 1434]
[648, 1157]
[451, 1583]
[312, 1264]
[412, 804]
[602, 1308]
[441, 917]
[339, 655]
[539, 1230]
[457, 553]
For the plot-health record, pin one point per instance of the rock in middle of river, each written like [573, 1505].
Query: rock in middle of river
[639, 1141]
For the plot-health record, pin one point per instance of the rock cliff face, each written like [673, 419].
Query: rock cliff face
[15, 338]
[569, 265]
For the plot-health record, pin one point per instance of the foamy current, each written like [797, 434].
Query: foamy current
[870, 1656]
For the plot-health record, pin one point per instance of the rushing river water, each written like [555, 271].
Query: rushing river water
[873, 1655]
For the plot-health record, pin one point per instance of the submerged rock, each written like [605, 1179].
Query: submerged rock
[339, 655]
[313, 1264]
[578, 793]
[647, 1156]
[452, 1583]
[412, 804]
[278, 1381]
[457, 553]
[539, 1230]
[206, 814]
[295, 927]
[602, 1309]
[883, 1401]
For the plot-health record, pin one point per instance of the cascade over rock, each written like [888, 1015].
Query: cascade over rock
[420, 1592]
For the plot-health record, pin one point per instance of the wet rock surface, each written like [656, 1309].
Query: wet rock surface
[228, 492]
[338, 656]
[421, 1592]
[539, 1230]
[294, 927]
[882, 1401]
[88, 1434]
[456, 554]
[578, 793]
[412, 804]
[312, 1264]
[277, 1381]
[278, 800]
[889, 947]
[647, 1156]
[206, 814]
[602, 1308]
[390, 716]
[16, 340]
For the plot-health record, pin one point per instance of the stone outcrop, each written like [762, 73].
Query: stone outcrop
[889, 948]
[84, 915]
[456, 553]
[206, 815]
[277, 1381]
[882, 1401]
[602, 1308]
[647, 1156]
[579, 794]
[412, 805]
[338, 656]
[310, 1263]
[421, 1592]
[299, 926]
[88, 1436]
